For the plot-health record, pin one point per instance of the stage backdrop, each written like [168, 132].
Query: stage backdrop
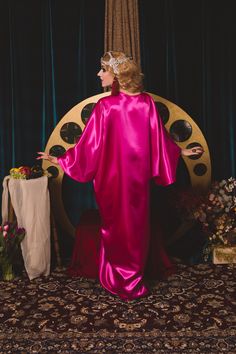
[50, 52]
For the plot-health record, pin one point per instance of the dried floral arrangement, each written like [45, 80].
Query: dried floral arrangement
[215, 211]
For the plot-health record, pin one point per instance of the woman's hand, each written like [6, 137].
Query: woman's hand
[197, 150]
[45, 156]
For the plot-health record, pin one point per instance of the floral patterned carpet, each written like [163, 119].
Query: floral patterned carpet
[194, 311]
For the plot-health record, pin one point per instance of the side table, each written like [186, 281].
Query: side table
[30, 205]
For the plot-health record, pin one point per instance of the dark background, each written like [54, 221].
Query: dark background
[188, 55]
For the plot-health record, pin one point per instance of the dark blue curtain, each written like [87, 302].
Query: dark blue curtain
[50, 55]
[188, 56]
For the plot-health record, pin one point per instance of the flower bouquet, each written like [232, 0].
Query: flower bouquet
[10, 239]
[216, 212]
[218, 217]
[26, 172]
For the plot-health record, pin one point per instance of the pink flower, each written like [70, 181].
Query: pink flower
[6, 227]
[4, 234]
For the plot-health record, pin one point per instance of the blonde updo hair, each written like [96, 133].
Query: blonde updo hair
[124, 69]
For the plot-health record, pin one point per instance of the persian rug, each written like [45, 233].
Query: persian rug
[193, 311]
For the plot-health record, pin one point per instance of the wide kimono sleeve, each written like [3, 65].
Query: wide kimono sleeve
[81, 161]
[165, 152]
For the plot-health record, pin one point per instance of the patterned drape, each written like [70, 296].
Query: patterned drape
[122, 27]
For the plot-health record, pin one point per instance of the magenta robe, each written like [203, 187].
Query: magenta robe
[123, 146]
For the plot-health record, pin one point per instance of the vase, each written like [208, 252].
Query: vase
[7, 271]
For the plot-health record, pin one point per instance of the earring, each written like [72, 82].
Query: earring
[115, 87]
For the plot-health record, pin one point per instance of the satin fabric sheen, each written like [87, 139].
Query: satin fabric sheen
[123, 146]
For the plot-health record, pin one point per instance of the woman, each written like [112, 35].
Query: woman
[123, 146]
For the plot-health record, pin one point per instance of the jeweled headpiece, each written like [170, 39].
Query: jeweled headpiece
[114, 62]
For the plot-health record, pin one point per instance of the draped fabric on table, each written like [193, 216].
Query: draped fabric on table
[30, 201]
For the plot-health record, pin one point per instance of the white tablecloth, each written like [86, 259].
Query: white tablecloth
[31, 204]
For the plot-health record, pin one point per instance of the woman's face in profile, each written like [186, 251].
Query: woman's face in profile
[106, 77]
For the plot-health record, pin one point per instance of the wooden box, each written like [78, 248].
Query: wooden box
[224, 254]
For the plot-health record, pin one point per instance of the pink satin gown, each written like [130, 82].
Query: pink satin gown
[123, 146]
